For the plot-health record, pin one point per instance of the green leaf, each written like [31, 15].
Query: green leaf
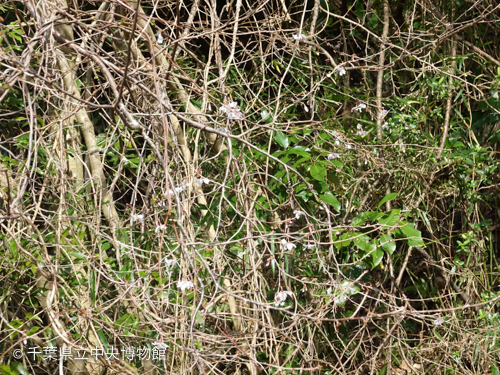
[77, 255]
[391, 218]
[33, 330]
[387, 243]
[282, 139]
[388, 197]
[363, 243]
[318, 172]
[6, 370]
[331, 200]
[19, 368]
[376, 257]
[345, 240]
[414, 236]
[360, 219]
[493, 366]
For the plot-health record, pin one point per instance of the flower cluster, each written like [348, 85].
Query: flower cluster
[339, 139]
[343, 292]
[333, 156]
[201, 181]
[232, 111]
[184, 285]
[359, 107]
[170, 262]
[223, 129]
[298, 36]
[340, 70]
[160, 345]
[160, 228]
[360, 131]
[136, 217]
[285, 245]
[179, 189]
[280, 298]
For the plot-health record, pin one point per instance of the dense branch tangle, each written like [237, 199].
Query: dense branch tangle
[179, 184]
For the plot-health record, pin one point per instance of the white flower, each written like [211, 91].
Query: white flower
[280, 298]
[329, 74]
[309, 246]
[382, 114]
[359, 127]
[159, 38]
[136, 217]
[287, 245]
[341, 71]
[183, 285]
[160, 228]
[359, 107]
[298, 36]
[438, 321]
[160, 345]
[298, 214]
[385, 126]
[333, 156]
[337, 142]
[348, 146]
[329, 290]
[361, 133]
[306, 108]
[232, 111]
[170, 262]
[202, 181]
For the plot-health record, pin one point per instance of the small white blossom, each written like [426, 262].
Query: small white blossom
[329, 74]
[359, 107]
[333, 155]
[298, 214]
[361, 133]
[183, 285]
[329, 290]
[337, 142]
[385, 126]
[287, 245]
[232, 111]
[160, 345]
[306, 108]
[160, 228]
[298, 36]
[438, 321]
[348, 146]
[223, 129]
[202, 181]
[170, 262]
[341, 71]
[382, 114]
[309, 246]
[280, 298]
[159, 38]
[136, 217]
